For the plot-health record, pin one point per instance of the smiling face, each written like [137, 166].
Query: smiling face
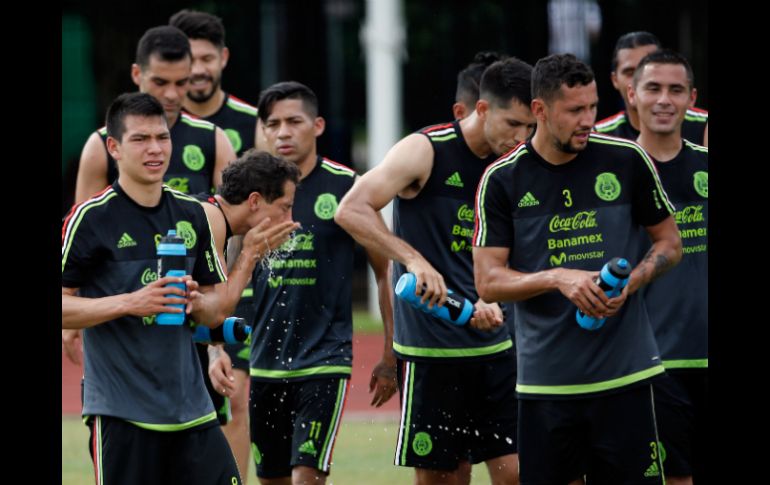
[628, 59]
[208, 63]
[144, 151]
[662, 96]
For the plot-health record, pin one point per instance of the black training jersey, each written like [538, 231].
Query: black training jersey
[304, 320]
[210, 199]
[693, 127]
[438, 223]
[238, 119]
[677, 302]
[134, 369]
[193, 156]
[578, 215]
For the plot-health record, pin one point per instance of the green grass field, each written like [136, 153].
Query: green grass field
[363, 456]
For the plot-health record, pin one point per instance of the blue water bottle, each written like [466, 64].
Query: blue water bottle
[172, 255]
[457, 309]
[234, 330]
[612, 279]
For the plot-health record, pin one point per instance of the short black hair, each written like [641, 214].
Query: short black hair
[167, 42]
[469, 78]
[665, 56]
[137, 104]
[287, 90]
[630, 41]
[200, 25]
[256, 171]
[552, 71]
[506, 80]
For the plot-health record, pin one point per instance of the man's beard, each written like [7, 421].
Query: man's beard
[202, 97]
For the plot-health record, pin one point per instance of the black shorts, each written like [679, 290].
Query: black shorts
[221, 403]
[456, 411]
[680, 405]
[124, 453]
[295, 423]
[612, 439]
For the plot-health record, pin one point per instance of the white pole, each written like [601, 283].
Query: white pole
[383, 36]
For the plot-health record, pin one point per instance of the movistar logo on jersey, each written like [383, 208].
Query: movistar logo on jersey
[465, 213]
[308, 447]
[454, 180]
[325, 206]
[689, 214]
[422, 444]
[528, 200]
[185, 230]
[700, 180]
[235, 139]
[558, 260]
[607, 186]
[193, 157]
[581, 220]
[182, 184]
[126, 241]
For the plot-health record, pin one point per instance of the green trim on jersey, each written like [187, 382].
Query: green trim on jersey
[603, 128]
[337, 171]
[197, 123]
[480, 239]
[696, 147]
[332, 428]
[212, 416]
[310, 371]
[594, 387]
[645, 157]
[247, 292]
[696, 116]
[242, 108]
[88, 205]
[448, 137]
[218, 264]
[686, 364]
[443, 352]
[102, 131]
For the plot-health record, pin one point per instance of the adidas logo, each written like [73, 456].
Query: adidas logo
[454, 180]
[308, 447]
[528, 200]
[653, 471]
[126, 241]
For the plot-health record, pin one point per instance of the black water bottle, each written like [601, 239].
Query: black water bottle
[232, 331]
[612, 279]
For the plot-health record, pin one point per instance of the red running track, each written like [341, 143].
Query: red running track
[367, 351]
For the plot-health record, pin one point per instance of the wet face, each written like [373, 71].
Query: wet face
[207, 65]
[165, 81]
[570, 117]
[144, 151]
[506, 127]
[628, 59]
[279, 210]
[291, 132]
[662, 96]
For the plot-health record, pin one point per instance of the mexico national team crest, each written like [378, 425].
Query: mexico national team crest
[607, 186]
[193, 157]
[186, 231]
[325, 206]
[422, 444]
[700, 181]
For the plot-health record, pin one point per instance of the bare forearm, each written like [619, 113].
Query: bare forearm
[504, 284]
[208, 310]
[78, 312]
[238, 278]
[370, 231]
[662, 256]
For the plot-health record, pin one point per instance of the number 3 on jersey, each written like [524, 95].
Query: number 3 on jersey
[567, 197]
